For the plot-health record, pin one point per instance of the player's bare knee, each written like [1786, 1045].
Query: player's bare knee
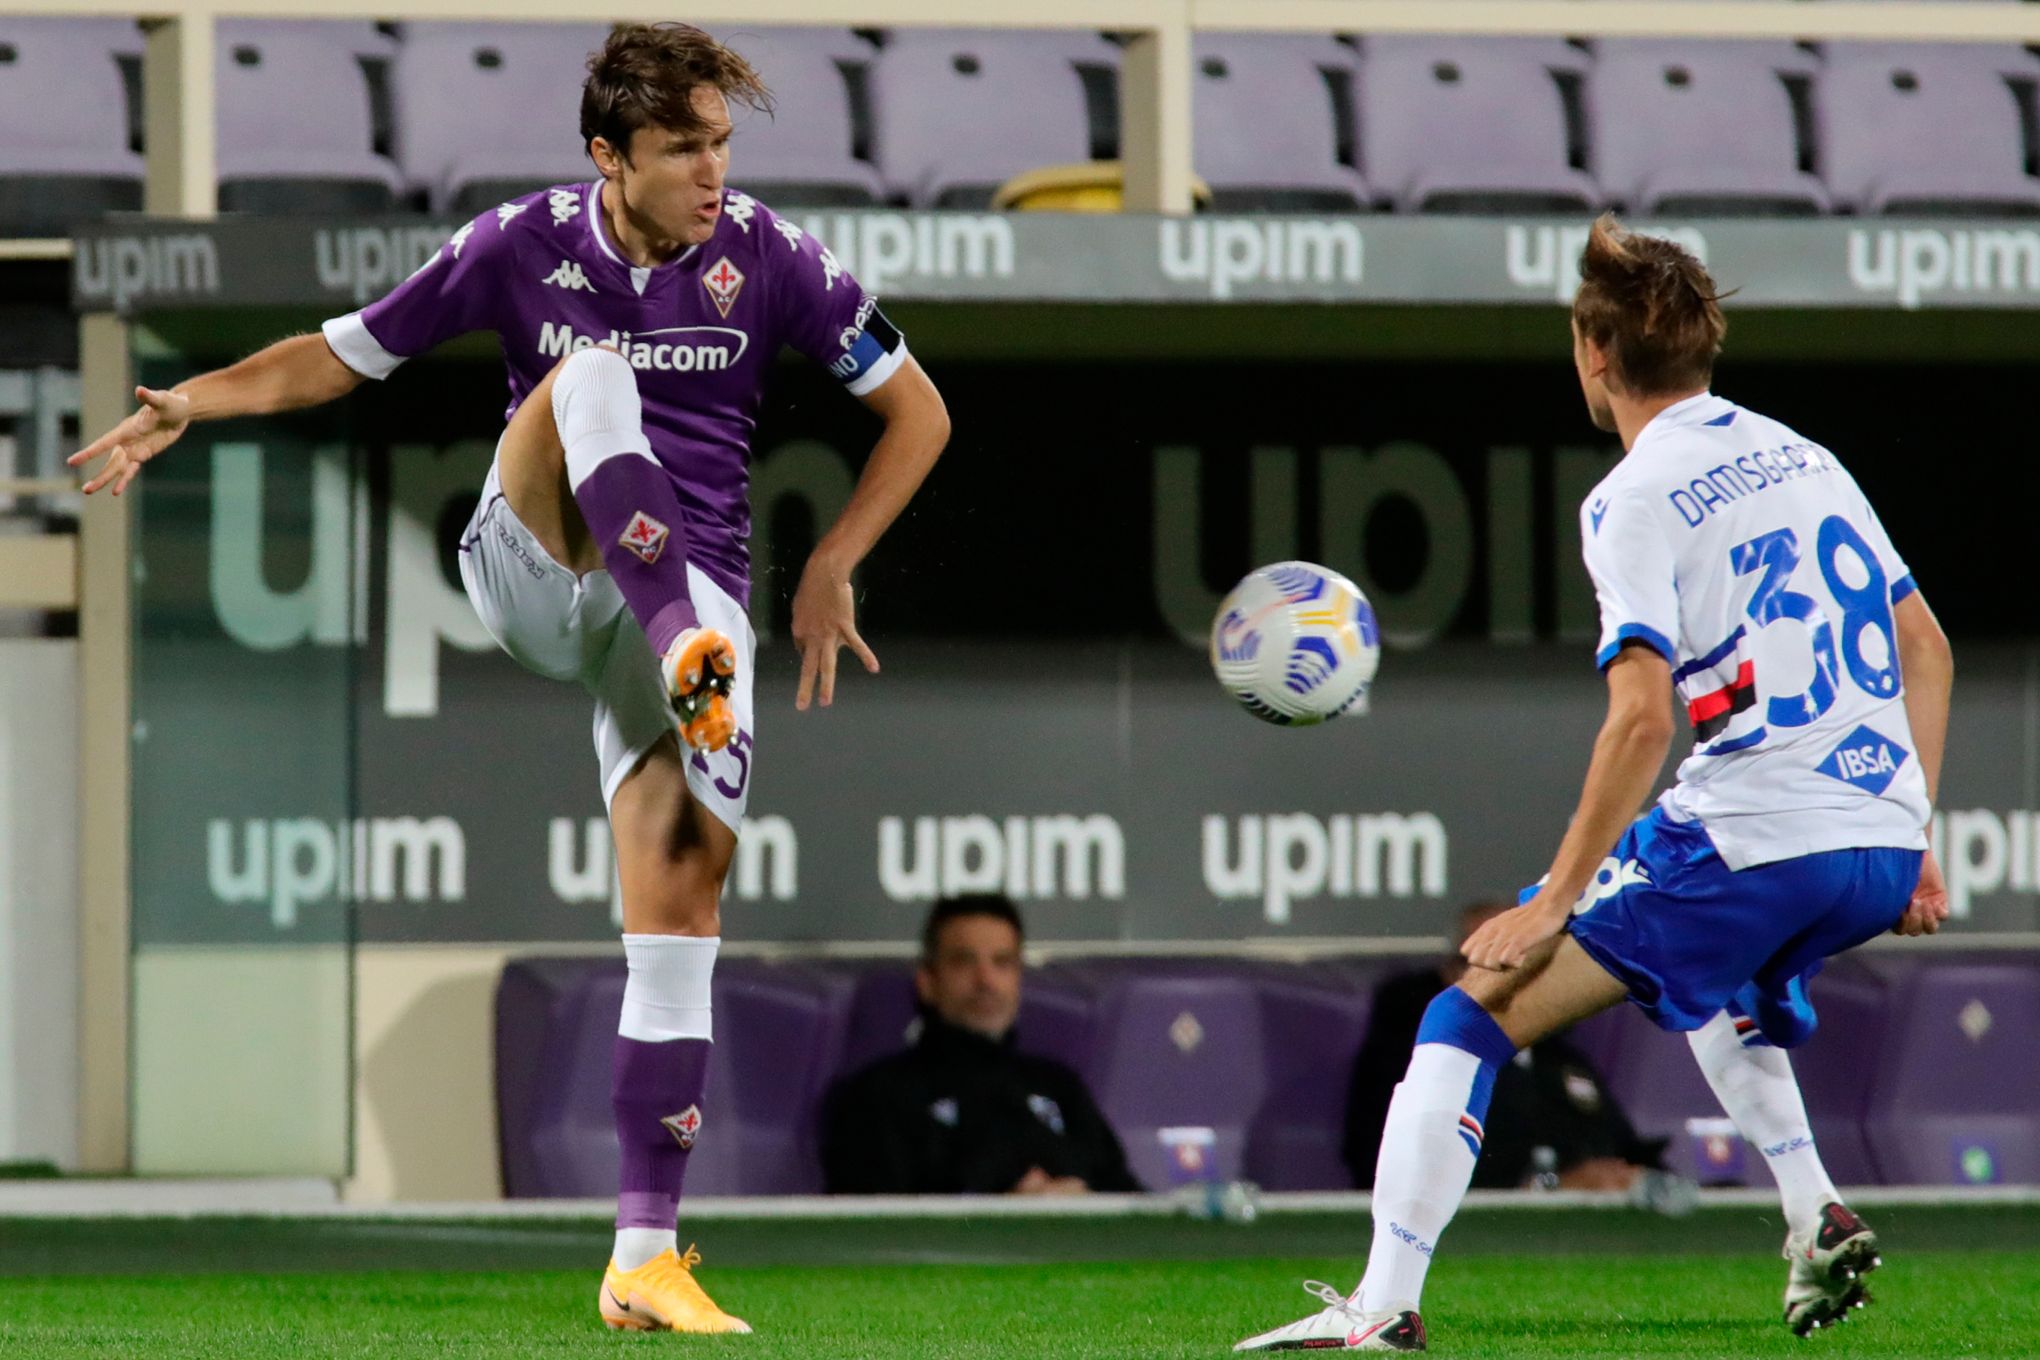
[688, 902]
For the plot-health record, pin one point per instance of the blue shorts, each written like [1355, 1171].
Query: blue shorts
[1688, 936]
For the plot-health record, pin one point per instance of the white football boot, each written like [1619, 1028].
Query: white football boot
[1341, 1325]
[1829, 1261]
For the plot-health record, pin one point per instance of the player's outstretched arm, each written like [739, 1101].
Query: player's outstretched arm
[824, 612]
[1928, 665]
[1628, 754]
[290, 374]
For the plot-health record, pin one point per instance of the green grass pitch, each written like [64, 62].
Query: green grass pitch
[1574, 1283]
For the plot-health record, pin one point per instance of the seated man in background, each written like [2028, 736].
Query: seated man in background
[1550, 1095]
[962, 1111]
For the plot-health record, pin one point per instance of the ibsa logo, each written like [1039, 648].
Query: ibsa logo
[1866, 760]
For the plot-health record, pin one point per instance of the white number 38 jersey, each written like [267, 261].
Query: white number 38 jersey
[1748, 558]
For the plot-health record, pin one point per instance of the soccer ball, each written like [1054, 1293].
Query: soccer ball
[1296, 644]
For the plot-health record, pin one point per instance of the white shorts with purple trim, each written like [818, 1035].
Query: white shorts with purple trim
[574, 628]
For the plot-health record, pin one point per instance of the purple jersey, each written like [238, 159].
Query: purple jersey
[701, 331]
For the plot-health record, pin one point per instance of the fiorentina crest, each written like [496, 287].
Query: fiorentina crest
[644, 536]
[722, 280]
[684, 1126]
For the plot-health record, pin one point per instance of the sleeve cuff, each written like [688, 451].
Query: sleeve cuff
[1637, 632]
[355, 347]
[873, 378]
[1902, 587]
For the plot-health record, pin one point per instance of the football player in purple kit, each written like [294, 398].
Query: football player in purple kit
[639, 315]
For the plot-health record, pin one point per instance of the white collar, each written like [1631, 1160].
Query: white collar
[1694, 410]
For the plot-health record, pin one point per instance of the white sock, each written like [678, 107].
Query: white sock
[635, 1246]
[598, 412]
[1426, 1162]
[665, 994]
[1756, 1086]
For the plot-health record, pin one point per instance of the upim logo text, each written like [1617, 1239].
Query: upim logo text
[1239, 250]
[1983, 852]
[1023, 857]
[1287, 857]
[289, 861]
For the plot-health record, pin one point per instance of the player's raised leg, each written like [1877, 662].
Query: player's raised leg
[1829, 1248]
[580, 472]
[1433, 1137]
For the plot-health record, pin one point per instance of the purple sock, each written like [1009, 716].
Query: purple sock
[625, 495]
[629, 506]
[656, 1092]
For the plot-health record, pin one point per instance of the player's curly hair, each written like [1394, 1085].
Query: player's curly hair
[645, 76]
[1652, 307]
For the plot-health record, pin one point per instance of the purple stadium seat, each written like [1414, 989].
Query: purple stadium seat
[1178, 1046]
[555, 1029]
[1955, 1097]
[1470, 125]
[485, 112]
[1701, 127]
[806, 150]
[1926, 129]
[882, 1013]
[779, 1032]
[1268, 129]
[296, 130]
[1312, 1021]
[959, 112]
[779, 1038]
[65, 152]
[1653, 1075]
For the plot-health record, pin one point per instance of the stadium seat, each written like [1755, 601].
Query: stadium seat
[486, 112]
[779, 1032]
[1955, 1096]
[1178, 1064]
[957, 113]
[1910, 130]
[1272, 115]
[296, 127]
[1653, 1075]
[1702, 128]
[779, 1040]
[813, 149]
[1312, 1022]
[1471, 125]
[66, 152]
[555, 1032]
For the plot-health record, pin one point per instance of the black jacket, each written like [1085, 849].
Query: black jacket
[962, 1114]
[1553, 1099]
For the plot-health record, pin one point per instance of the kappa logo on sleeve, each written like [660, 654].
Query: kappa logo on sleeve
[644, 536]
[460, 238]
[723, 281]
[506, 211]
[565, 205]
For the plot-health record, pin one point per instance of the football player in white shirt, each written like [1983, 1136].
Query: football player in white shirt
[1738, 568]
